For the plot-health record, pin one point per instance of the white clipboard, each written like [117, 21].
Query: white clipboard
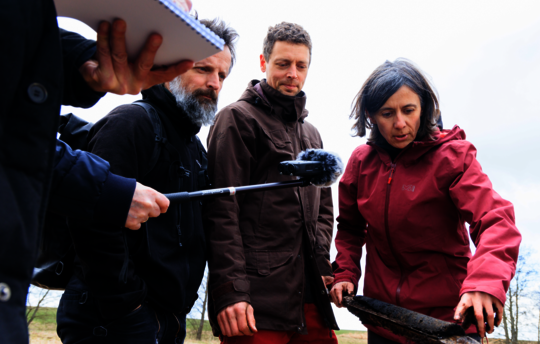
[184, 38]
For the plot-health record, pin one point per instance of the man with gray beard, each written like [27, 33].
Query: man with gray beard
[200, 105]
[138, 286]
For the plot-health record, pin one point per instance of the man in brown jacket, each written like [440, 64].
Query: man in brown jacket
[268, 250]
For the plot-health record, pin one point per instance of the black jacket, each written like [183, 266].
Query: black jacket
[167, 255]
[40, 73]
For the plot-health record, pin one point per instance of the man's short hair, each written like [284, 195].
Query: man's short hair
[285, 32]
[225, 32]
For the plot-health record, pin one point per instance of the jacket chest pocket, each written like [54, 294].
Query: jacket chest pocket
[280, 138]
[264, 261]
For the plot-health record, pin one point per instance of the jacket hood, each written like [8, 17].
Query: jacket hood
[161, 97]
[255, 95]
[416, 149]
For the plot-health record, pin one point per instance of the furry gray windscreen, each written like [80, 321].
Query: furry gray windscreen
[332, 166]
[200, 110]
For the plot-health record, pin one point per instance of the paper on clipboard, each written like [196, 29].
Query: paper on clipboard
[184, 38]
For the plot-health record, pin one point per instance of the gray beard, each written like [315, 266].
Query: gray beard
[200, 111]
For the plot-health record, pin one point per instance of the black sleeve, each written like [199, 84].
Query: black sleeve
[76, 50]
[82, 187]
[125, 138]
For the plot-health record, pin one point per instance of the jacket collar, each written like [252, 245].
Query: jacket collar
[165, 101]
[416, 149]
[281, 105]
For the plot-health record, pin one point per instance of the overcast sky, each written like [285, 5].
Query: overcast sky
[482, 56]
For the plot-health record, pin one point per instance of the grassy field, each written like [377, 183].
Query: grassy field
[43, 331]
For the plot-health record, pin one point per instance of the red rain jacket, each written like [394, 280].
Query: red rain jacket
[411, 215]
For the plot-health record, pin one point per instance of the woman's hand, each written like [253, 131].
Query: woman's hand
[336, 294]
[480, 301]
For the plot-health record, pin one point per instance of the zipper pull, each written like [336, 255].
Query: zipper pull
[179, 235]
[391, 173]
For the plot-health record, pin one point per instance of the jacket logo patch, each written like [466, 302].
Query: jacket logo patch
[408, 188]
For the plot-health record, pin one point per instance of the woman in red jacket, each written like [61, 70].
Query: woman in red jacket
[406, 195]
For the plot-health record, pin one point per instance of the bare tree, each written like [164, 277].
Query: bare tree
[536, 299]
[204, 306]
[37, 300]
[31, 311]
[518, 296]
[195, 318]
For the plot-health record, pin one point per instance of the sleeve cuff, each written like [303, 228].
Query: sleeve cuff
[230, 299]
[115, 201]
[349, 279]
[496, 292]
[230, 293]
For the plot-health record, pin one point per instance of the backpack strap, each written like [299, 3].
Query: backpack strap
[159, 134]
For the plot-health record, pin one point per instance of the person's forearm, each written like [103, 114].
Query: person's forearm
[84, 188]
[349, 246]
[492, 228]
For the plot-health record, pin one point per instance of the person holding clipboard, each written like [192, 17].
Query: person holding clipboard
[46, 67]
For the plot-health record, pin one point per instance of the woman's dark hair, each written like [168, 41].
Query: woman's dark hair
[381, 85]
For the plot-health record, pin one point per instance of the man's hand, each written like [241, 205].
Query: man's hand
[336, 294]
[237, 320]
[146, 203]
[480, 301]
[112, 72]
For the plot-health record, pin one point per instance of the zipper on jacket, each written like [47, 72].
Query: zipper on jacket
[179, 230]
[391, 173]
[191, 175]
[387, 230]
[185, 174]
[304, 228]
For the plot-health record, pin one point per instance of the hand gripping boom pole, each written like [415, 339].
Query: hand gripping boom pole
[313, 166]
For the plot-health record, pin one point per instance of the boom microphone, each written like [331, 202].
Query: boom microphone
[312, 167]
[320, 167]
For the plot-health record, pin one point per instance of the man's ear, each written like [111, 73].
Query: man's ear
[263, 63]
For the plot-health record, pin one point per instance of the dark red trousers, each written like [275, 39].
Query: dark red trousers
[318, 333]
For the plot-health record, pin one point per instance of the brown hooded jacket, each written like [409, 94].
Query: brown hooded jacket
[257, 250]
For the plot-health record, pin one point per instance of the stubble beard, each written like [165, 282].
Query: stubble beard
[200, 110]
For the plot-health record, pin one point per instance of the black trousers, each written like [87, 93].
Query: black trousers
[374, 338]
[79, 322]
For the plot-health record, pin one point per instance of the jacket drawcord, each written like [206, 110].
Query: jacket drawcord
[177, 331]
[159, 327]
